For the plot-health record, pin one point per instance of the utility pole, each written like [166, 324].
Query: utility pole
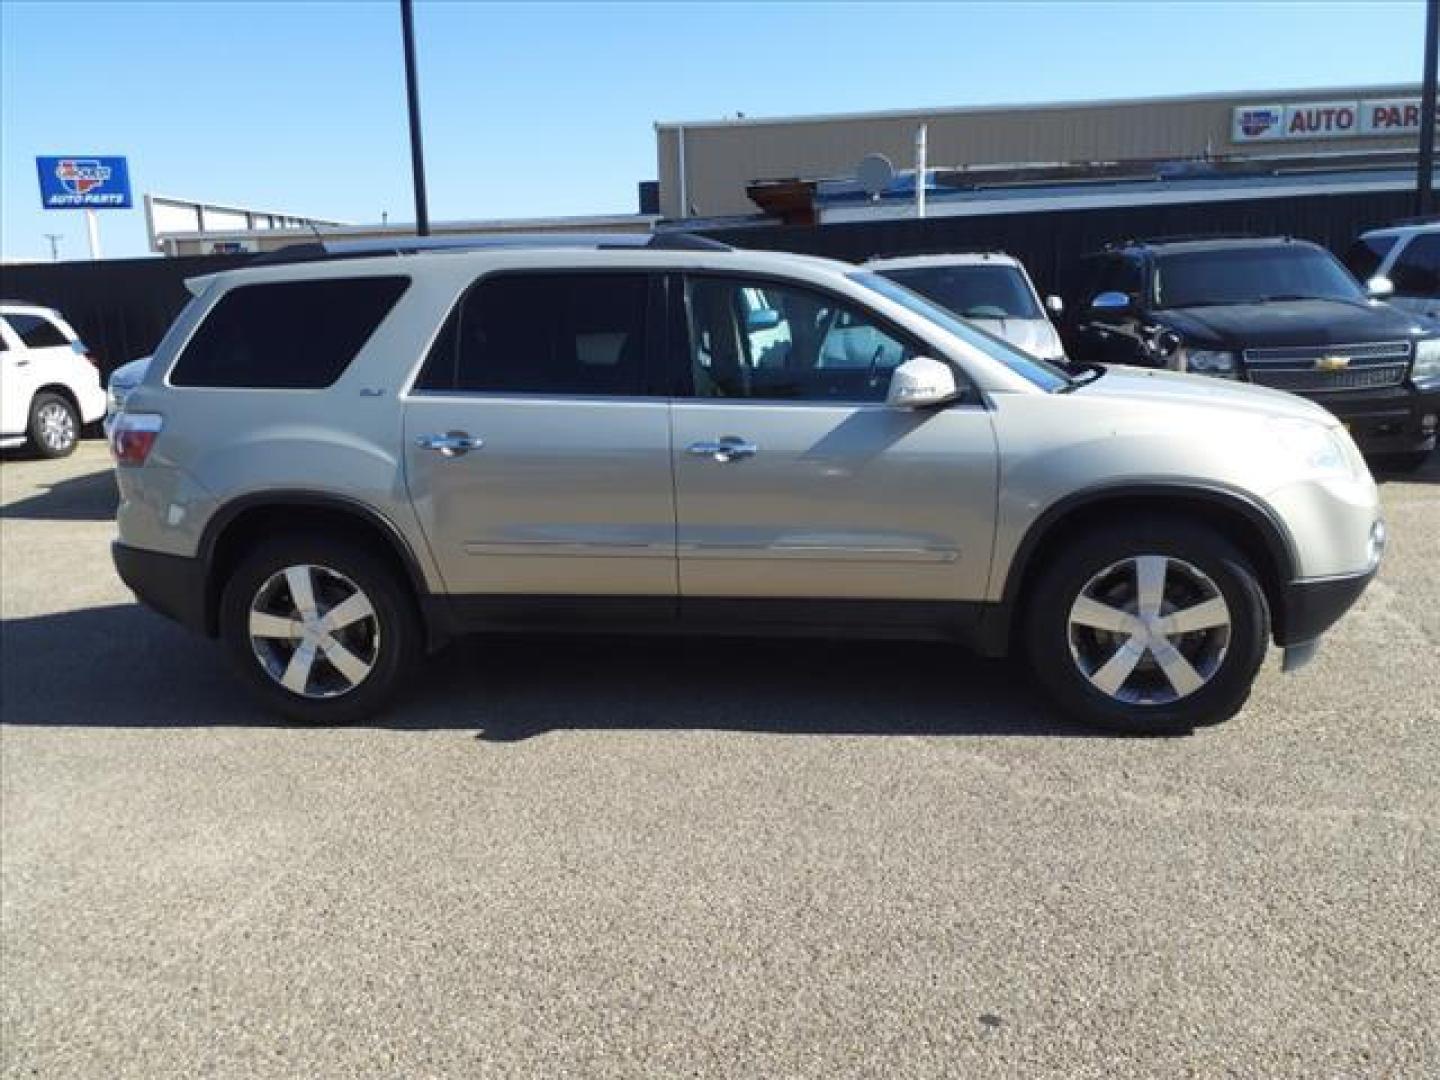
[412, 92]
[1425, 164]
[54, 238]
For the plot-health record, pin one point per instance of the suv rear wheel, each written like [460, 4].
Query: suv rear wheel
[322, 631]
[1156, 628]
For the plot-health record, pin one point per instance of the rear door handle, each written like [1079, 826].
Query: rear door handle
[726, 448]
[450, 444]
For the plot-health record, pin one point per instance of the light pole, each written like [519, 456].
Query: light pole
[54, 238]
[1425, 164]
[412, 92]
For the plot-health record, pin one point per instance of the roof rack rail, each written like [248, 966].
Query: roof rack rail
[1421, 219]
[316, 250]
[1187, 238]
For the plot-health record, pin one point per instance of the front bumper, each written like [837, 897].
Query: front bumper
[1311, 606]
[1401, 420]
[173, 585]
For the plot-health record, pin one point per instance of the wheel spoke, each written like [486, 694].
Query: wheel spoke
[263, 625]
[1150, 583]
[1184, 679]
[1112, 675]
[346, 612]
[297, 672]
[344, 661]
[1091, 612]
[1202, 616]
[302, 592]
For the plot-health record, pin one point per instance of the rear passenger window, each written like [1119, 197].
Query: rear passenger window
[544, 334]
[293, 335]
[1417, 271]
[36, 331]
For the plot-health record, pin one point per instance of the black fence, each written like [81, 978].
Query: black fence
[122, 307]
[1051, 242]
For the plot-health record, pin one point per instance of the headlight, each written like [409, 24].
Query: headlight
[1427, 360]
[1318, 450]
[1209, 362]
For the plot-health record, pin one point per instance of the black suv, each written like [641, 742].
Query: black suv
[1278, 312]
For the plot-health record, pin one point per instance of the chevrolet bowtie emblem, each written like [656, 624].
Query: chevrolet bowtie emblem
[1332, 363]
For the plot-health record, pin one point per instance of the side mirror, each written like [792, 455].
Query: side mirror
[1055, 306]
[1111, 305]
[1380, 287]
[921, 382]
[762, 319]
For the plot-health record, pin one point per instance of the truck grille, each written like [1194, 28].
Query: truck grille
[1293, 368]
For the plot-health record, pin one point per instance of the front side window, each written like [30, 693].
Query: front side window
[1417, 270]
[1250, 276]
[972, 292]
[1365, 255]
[544, 334]
[36, 331]
[751, 339]
[291, 335]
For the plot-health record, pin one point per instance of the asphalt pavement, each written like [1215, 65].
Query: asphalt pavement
[637, 857]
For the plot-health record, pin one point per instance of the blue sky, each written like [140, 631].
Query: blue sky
[548, 109]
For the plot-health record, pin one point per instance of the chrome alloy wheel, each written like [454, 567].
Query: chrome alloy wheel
[56, 428]
[314, 631]
[1149, 630]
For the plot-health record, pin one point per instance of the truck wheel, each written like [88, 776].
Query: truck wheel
[54, 425]
[322, 631]
[1155, 628]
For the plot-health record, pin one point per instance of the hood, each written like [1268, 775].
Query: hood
[1290, 322]
[1149, 386]
[1036, 336]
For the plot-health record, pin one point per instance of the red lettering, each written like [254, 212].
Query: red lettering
[1412, 115]
[1298, 122]
[1345, 118]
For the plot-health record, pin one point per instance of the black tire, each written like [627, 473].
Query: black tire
[1048, 629]
[1402, 463]
[54, 427]
[392, 645]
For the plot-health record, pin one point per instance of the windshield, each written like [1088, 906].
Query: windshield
[1250, 275]
[972, 292]
[1046, 376]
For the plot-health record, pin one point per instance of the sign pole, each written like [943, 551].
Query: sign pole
[92, 226]
[1425, 161]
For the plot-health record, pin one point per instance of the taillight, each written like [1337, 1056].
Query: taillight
[133, 437]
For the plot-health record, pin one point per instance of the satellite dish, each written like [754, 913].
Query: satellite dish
[875, 174]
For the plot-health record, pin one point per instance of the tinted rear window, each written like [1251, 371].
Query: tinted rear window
[293, 335]
[541, 333]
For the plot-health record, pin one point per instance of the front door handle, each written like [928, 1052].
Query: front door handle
[450, 444]
[727, 448]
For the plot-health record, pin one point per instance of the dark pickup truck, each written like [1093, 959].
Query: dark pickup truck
[1277, 312]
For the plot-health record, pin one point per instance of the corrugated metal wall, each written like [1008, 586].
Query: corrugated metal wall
[121, 308]
[723, 157]
[1050, 243]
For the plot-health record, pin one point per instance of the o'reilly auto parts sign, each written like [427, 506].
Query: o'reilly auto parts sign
[1374, 118]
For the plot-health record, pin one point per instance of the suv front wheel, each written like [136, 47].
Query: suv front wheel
[1155, 628]
[322, 631]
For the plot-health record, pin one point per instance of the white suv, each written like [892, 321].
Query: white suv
[1401, 264]
[49, 386]
[335, 464]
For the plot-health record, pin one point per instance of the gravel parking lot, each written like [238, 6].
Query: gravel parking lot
[646, 857]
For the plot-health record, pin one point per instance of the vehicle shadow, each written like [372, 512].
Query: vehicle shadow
[90, 497]
[1429, 473]
[124, 667]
